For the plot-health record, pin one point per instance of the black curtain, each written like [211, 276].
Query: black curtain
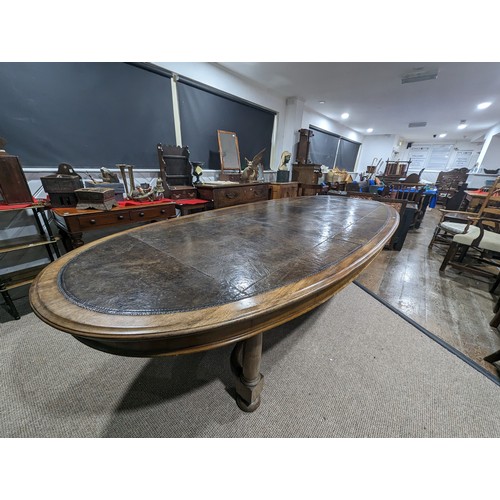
[85, 114]
[347, 155]
[203, 112]
[323, 147]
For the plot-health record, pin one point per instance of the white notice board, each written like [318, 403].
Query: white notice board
[462, 159]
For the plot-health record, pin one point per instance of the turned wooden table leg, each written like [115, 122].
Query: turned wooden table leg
[245, 364]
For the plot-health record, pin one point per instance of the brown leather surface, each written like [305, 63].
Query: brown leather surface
[221, 256]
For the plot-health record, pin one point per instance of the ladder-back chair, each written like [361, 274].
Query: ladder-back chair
[455, 222]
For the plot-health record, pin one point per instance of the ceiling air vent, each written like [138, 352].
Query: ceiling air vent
[419, 75]
[417, 124]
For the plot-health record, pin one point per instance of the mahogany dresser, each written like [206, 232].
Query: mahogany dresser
[228, 195]
[72, 223]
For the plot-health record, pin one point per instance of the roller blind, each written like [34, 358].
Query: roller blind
[323, 147]
[203, 112]
[347, 154]
[85, 114]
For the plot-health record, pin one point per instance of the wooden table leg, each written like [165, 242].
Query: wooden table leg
[245, 364]
[76, 239]
[10, 303]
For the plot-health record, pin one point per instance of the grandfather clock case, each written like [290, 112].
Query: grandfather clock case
[14, 187]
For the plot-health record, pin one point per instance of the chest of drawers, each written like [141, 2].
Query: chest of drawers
[228, 195]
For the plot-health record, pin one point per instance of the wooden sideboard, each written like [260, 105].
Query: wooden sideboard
[72, 223]
[228, 195]
[279, 190]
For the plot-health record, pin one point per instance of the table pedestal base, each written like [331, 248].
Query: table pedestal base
[245, 365]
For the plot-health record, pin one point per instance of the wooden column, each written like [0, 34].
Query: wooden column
[245, 364]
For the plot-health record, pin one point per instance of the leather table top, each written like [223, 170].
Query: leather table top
[196, 273]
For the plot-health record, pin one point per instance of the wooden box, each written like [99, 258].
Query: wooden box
[98, 198]
[61, 183]
[61, 189]
[181, 192]
[306, 174]
[13, 184]
[117, 187]
[283, 190]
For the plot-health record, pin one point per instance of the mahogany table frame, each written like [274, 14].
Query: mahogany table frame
[239, 322]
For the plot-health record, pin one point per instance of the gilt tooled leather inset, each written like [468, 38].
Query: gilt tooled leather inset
[209, 261]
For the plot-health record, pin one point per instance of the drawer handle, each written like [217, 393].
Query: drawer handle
[92, 221]
[120, 217]
[141, 214]
[162, 211]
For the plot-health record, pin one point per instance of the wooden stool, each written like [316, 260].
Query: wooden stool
[188, 207]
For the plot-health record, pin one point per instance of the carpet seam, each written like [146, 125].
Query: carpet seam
[431, 335]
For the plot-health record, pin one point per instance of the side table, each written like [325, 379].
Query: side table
[72, 223]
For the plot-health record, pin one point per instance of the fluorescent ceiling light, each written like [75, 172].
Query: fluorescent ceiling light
[369, 130]
[321, 102]
[484, 105]
[344, 116]
[442, 135]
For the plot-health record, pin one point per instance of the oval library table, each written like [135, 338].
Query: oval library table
[211, 279]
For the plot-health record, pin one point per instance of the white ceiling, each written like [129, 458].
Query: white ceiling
[373, 95]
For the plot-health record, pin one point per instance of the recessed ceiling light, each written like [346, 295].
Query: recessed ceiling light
[321, 102]
[462, 125]
[369, 130]
[442, 135]
[484, 105]
[344, 116]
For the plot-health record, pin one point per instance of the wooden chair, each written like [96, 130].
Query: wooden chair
[448, 183]
[176, 172]
[495, 321]
[398, 238]
[413, 178]
[482, 236]
[455, 222]
[411, 192]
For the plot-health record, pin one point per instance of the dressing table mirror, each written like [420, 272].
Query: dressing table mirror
[229, 151]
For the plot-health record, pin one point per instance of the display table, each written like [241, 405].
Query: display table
[476, 197]
[72, 223]
[231, 194]
[215, 278]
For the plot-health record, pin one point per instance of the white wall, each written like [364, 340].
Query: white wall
[491, 158]
[215, 76]
[487, 140]
[377, 146]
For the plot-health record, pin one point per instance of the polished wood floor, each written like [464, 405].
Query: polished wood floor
[455, 306]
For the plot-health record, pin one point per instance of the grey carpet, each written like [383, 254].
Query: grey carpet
[351, 368]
